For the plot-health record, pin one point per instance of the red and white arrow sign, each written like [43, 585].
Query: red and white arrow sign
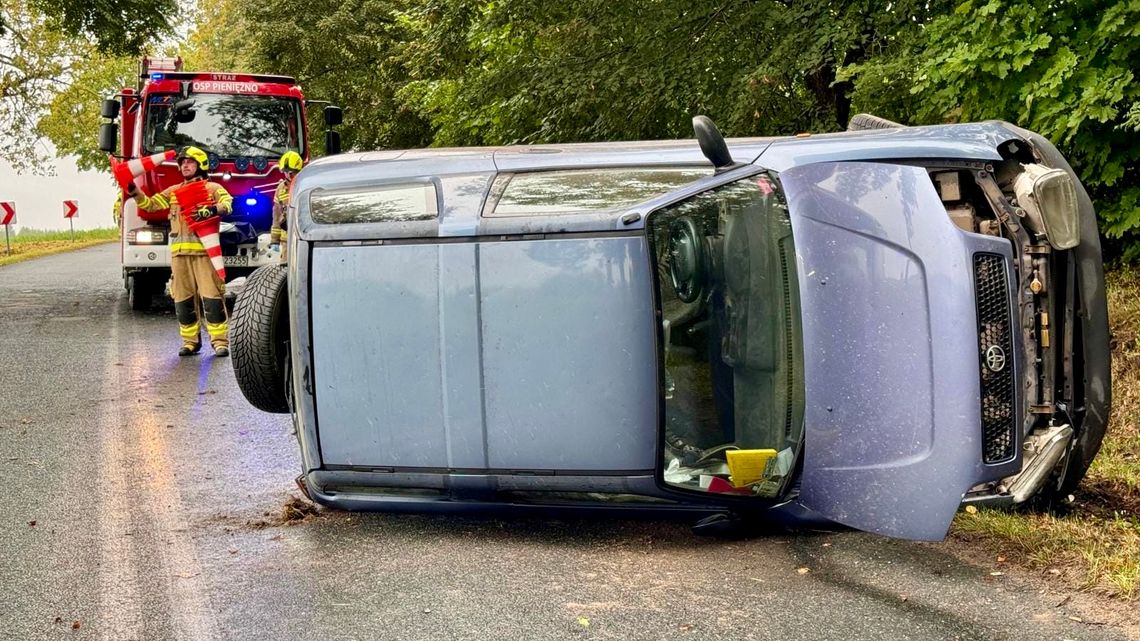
[70, 208]
[7, 213]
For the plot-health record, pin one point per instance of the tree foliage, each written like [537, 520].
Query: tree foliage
[53, 74]
[415, 73]
[1066, 70]
[117, 27]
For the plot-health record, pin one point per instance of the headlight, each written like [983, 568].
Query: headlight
[1049, 197]
[146, 237]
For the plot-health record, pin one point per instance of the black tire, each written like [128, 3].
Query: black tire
[259, 335]
[861, 122]
[140, 292]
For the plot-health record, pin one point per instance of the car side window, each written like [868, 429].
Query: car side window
[388, 203]
[570, 191]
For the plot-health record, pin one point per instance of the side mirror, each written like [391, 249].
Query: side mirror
[333, 116]
[110, 109]
[332, 142]
[109, 137]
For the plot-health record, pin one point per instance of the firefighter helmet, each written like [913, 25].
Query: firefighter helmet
[195, 154]
[290, 161]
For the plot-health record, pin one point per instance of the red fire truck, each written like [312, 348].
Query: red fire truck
[244, 123]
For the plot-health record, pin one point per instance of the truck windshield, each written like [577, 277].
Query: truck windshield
[228, 126]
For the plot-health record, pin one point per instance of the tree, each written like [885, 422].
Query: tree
[52, 80]
[117, 27]
[1063, 69]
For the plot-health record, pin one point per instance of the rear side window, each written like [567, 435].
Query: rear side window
[389, 203]
[584, 190]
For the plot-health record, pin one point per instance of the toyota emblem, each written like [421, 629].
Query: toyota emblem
[995, 358]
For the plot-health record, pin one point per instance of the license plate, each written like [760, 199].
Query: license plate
[236, 261]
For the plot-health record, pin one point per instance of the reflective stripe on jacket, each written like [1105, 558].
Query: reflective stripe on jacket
[184, 242]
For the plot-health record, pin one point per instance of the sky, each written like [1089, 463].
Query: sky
[39, 199]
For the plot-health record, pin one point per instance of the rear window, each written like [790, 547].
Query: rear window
[584, 190]
[390, 203]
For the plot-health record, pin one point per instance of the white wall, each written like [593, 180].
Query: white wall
[39, 199]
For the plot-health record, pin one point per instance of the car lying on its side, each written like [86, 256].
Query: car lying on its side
[867, 327]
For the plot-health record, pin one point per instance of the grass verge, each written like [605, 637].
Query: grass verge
[1094, 543]
[33, 243]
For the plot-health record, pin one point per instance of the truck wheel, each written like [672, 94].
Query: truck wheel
[140, 293]
[259, 335]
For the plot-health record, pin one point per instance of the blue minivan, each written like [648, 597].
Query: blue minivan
[868, 327]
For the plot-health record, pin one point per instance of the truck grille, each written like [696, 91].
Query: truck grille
[995, 352]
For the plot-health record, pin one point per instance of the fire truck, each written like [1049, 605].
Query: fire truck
[244, 122]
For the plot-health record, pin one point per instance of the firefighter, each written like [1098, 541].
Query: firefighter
[194, 276]
[289, 165]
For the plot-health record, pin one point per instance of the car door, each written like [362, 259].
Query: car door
[816, 343]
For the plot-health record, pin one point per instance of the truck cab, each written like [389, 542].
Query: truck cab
[244, 123]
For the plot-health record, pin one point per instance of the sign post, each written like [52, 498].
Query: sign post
[7, 217]
[70, 211]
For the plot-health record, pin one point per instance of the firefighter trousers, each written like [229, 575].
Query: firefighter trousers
[194, 280]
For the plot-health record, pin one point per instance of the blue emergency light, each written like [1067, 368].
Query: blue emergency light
[156, 76]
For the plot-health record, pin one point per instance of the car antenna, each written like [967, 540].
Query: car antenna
[712, 143]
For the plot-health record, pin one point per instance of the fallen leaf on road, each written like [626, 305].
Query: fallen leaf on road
[75, 625]
[803, 570]
[584, 622]
[233, 551]
[971, 509]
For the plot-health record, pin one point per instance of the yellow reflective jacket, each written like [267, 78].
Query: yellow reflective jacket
[184, 242]
[280, 207]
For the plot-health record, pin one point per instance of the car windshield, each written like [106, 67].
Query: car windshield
[733, 355]
[225, 125]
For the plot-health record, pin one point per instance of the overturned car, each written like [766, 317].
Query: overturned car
[868, 327]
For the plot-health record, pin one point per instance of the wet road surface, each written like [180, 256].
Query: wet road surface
[142, 500]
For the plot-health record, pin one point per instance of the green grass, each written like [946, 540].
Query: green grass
[1095, 543]
[33, 243]
[41, 236]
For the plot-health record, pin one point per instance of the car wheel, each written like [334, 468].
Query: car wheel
[259, 334]
[862, 122]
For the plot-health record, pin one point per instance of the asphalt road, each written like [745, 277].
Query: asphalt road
[141, 490]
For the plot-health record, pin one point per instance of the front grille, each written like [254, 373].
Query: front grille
[995, 355]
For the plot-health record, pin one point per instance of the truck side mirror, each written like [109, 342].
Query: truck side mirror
[108, 137]
[110, 109]
[332, 142]
[333, 116]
